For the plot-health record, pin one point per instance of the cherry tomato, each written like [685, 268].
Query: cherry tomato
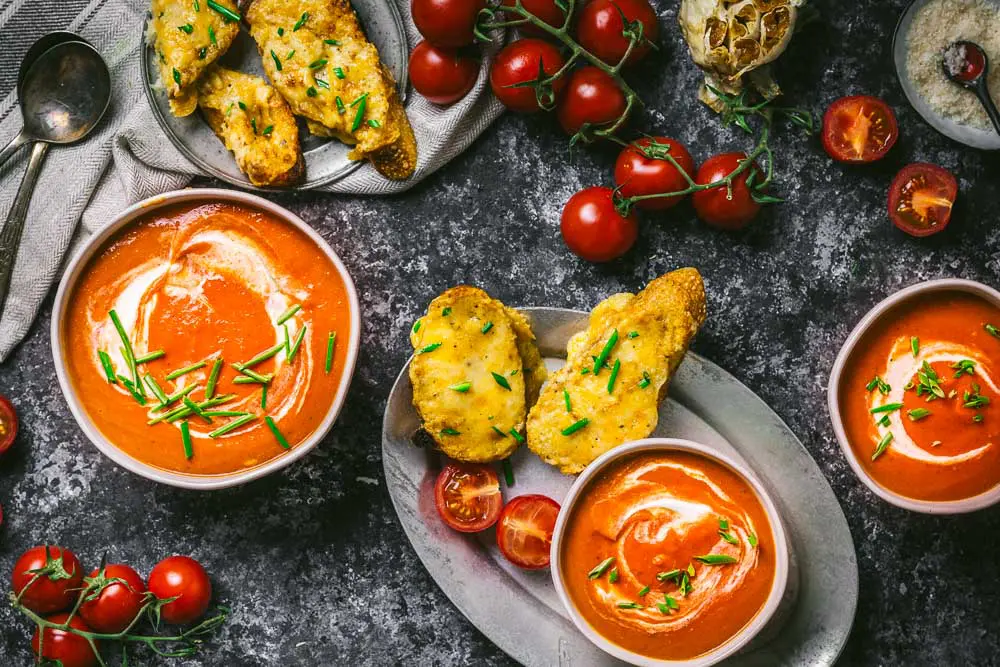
[594, 229]
[69, 649]
[56, 587]
[8, 424]
[443, 76]
[524, 533]
[600, 29]
[518, 62]
[859, 129]
[447, 23]
[117, 605]
[468, 496]
[548, 11]
[921, 197]
[184, 578]
[592, 97]
[715, 206]
[642, 169]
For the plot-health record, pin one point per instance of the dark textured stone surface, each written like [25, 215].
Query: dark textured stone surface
[313, 559]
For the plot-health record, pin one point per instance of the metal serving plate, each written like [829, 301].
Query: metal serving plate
[520, 611]
[326, 160]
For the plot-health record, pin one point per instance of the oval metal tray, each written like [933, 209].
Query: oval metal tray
[520, 611]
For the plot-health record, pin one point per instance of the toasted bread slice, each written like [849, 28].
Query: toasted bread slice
[255, 123]
[188, 36]
[319, 59]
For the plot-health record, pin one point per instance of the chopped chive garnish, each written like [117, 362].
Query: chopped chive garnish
[211, 35]
[501, 380]
[202, 52]
[517, 436]
[261, 358]
[569, 405]
[992, 330]
[716, 559]
[888, 407]
[316, 64]
[606, 352]
[173, 375]
[311, 92]
[613, 576]
[508, 473]
[258, 377]
[690, 569]
[416, 326]
[225, 413]
[374, 123]
[109, 369]
[173, 398]
[445, 312]
[670, 602]
[461, 387]
[880, 383]
[253, 124]
[917, 414]
[232, 426]
[331, 42]
[277, 434]
[964, 367]
[197, 5]
[450, 431]
[150, 356]
[268, 130]
[244, 379]
[486, 327]
[276, 59]
[882, 445]
[339, 73]
[322, 83]
[187, 28]
[360, 115]
[885, 421]
[629, 605]
[723, 524]
[229, 14]
[728, 537]
[633, 334]
[644, 382]
[290, 54]
[155, 388]
[281, 32]
[126, 349]
[585, 371]
[498, 430]
[193, 407]
[359, 99]
[340, 105]
[614, 375]
[241, 104]
[573, 428]
[301, 22]
[671, 574]
[643, 591]
[601, 568]
[263, 397]
[186, 439]
[288, 341]
[139, 398]
[914, 345]
[331, 341]
[298, 341]
[213, 378]
[177, 77]
[428, 348]
[752, 539]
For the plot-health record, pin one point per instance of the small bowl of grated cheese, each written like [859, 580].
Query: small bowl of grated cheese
[924, 32]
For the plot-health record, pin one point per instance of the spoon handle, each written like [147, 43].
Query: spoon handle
[10, 235]
[14, 146]
[991, 109]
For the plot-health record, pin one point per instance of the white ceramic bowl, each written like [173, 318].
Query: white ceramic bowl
[981, 501]
[777, 600]
[96, 242]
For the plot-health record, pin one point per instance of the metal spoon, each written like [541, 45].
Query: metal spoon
[972, 75]
[64, 93]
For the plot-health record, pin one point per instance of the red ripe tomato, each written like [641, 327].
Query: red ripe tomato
[468, 496]
[447, 23]
[547, 10]
[599, 29]
[69, 649]
[594, 229]
[859, 129]
[592, 97]
[921, 198]
[714, 205]
[117, 605]
[8, 424]
[443, 76]
[184, 578]
[642, 169]
[524, 533]
[518, 62]
[47, 583]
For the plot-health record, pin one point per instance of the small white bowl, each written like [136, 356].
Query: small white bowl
[96, 242]
[972, 504]
[782, 590]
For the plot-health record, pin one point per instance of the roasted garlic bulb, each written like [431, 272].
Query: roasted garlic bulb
[733, 39]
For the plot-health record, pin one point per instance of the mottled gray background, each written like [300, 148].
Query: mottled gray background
[314, 561]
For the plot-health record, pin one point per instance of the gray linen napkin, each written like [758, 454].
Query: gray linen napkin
[128, 157]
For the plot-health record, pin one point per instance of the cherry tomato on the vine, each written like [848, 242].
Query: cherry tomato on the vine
[443, 76]
[715, 206]
[47, 583]
[518, 63]
[921, 198]
[642, 169]
[69, 649]
[860, 128]
[468, 496]
[118, 603]
[548, 11]
[600, 29]
[524, 533]
[184, 578]
[592, 97]
[447, 23]
[8, 424]
[593, 227]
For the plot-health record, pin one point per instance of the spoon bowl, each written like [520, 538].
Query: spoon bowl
[967, 64]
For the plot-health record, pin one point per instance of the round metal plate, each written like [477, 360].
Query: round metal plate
[520, 611]
[326, 160]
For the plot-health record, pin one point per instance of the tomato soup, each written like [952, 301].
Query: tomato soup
[918, 397]
[197, 338]
[668, 554]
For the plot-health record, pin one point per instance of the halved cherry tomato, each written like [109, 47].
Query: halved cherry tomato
[592, 98]
[718, 206]
[183, 578]
[859, 129]
[8, 424]
[443, 76]
[921, 198]
[447, 23]
[600, 29]
[548, 11]
[68, 649]
[519, 62]
[524, 533]
[47, 579]
[593, 227]
[642, 169]
[117, 604]
[468, 496]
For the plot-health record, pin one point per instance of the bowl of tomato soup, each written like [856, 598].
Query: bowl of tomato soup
[205, 338]
[668, 553]
[914, 396]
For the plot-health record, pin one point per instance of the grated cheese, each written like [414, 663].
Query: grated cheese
[935, 27]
